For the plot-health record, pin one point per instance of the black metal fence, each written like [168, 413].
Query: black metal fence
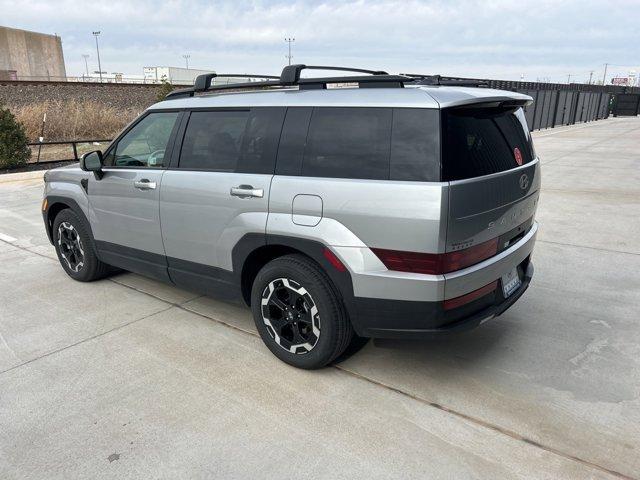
[556, 104]
[626, 104]
[78, 147]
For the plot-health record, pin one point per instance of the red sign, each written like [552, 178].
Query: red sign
[620, 81]
[518, 155]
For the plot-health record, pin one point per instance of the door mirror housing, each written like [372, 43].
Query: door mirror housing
[92, 162]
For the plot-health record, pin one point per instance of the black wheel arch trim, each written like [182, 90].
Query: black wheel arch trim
[341, 280]
[69, 203]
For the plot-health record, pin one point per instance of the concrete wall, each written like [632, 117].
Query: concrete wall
[31, 54]
[16, 94]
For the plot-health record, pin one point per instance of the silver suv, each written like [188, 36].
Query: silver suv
[337, 208]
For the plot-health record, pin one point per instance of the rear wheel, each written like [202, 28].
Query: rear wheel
[75, 248]
[298, 313]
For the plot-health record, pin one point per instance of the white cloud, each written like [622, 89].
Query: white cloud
[495, 38]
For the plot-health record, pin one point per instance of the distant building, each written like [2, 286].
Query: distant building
[28, 55]
[185, 76]
[173, 75]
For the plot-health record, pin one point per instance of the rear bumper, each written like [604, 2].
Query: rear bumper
[407, 319]
[372, 280]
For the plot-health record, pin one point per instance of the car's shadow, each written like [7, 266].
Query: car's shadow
[467, 347]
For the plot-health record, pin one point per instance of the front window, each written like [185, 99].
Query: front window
[145, 144]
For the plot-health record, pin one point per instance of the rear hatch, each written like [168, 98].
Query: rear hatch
[494, 175]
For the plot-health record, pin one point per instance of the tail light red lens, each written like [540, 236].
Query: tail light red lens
[436, 263]
[469, 297]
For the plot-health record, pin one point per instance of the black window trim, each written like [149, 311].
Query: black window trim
[175, 159]
[170, 144]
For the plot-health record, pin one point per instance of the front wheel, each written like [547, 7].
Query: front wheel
[298, 313]
[75, 248]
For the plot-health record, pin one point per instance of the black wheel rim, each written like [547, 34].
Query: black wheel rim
[70, 246]
[290, 316]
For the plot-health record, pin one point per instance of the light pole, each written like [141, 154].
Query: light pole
[86, 65]
[604, 77]
[289, 40]
[186, 59]
[95, 34]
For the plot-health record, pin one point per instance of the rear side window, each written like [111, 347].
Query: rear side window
[348, 143]
[361, 143]
[415, 145]
[477, 142]
[232, 141]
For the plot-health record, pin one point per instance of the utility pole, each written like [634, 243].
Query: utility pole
[95, 34]
[86, 65]
[289, 40]
[569, 78]
[186, 59]
[604, 77]
[590, 76]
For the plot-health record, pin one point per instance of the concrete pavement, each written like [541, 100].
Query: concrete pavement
[129, 378]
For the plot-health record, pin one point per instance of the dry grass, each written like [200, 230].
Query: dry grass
[69, 120]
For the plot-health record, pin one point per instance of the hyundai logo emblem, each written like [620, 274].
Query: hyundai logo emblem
[524, 181]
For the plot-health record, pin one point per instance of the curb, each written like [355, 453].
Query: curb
[14, 177]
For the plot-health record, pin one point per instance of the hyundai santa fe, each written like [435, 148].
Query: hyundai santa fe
[336, 208]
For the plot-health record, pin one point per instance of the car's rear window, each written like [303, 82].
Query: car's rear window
[482, 141]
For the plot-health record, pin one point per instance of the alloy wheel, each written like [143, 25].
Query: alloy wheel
[70, 246]
[290, 315]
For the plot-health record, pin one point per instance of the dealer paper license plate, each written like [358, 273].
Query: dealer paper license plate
[510, 282]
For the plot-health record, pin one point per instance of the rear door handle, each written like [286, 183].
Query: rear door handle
[246, 191]
[144, 184]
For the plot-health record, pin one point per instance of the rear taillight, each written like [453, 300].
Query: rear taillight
[469, 297]
[436, 263]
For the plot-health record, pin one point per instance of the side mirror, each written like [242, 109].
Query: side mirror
[92, 162]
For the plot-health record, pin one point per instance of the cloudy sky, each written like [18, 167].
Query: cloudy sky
[505, 39]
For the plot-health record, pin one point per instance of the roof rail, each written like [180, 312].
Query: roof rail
[421, 79]
[290, 76]
[203, 83]
[291, 73]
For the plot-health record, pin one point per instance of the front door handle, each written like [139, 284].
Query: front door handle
[144, 184]
[246, 191]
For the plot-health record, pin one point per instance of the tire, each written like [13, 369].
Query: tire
[298, 312]
[80, 260]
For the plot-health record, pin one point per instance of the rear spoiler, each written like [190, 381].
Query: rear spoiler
[506, 104]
